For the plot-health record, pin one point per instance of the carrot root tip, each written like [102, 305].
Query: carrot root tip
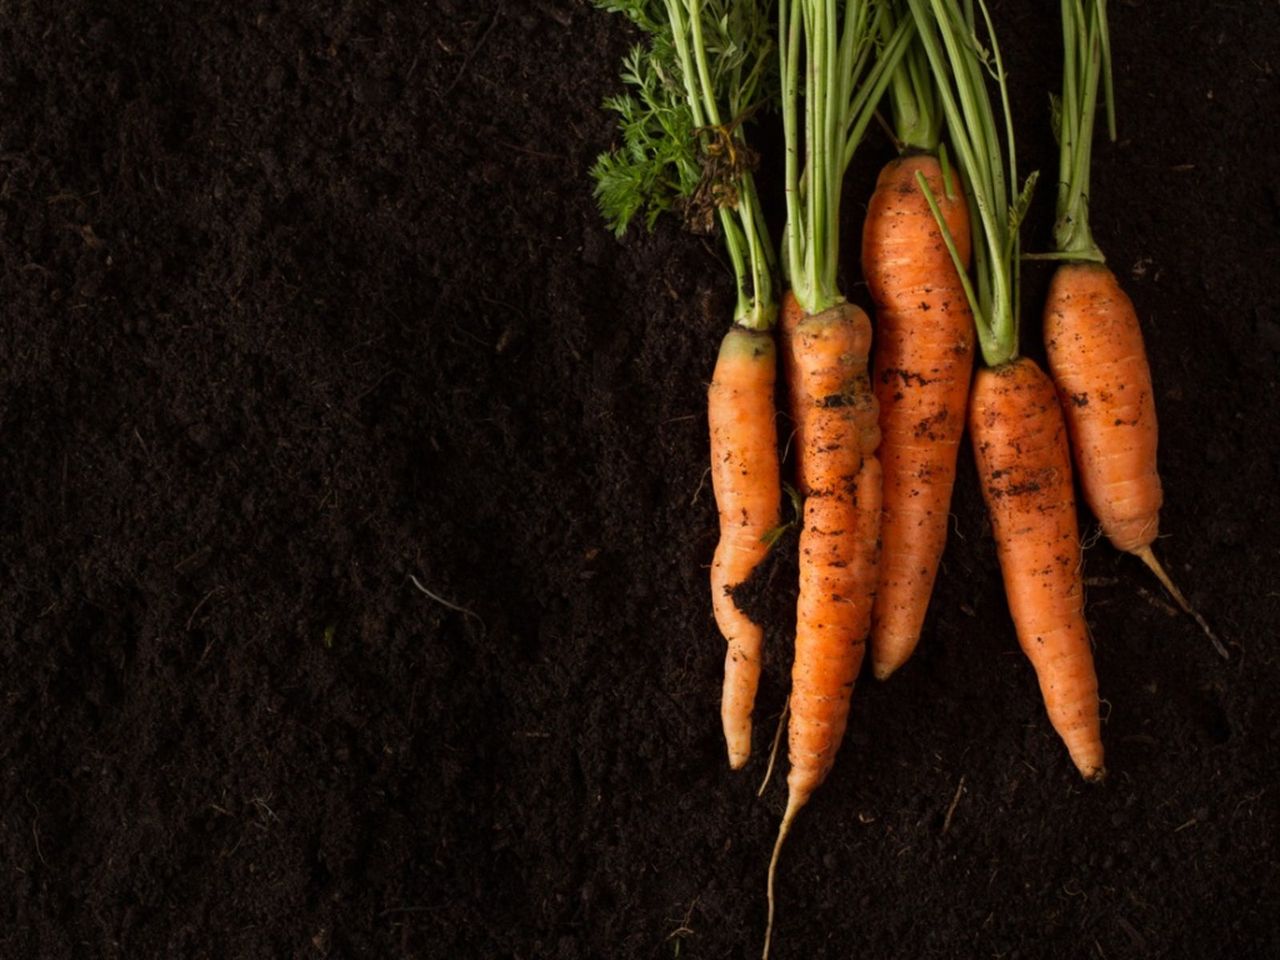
[794, 803]
[1146, 556]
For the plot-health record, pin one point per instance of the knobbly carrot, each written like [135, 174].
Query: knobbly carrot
[744, 475]
[1015, 423]
[834, 408]
[924, 358]
[1091, 331]
[684, 150]
[1020, 446]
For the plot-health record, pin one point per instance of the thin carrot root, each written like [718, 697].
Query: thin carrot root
[1146, 556]
[773, 751]
[794, 803]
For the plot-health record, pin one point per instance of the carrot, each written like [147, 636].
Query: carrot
[1020, 445]
[1015, 423]
[833, 406]
[839, 548]
[1099, 364]
[744, 475]
[1096, 354]
[683, 149]
[924, 357]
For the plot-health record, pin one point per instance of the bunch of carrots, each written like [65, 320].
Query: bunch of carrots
[876, 438]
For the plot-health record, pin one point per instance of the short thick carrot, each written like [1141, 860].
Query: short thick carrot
[1020, 445]
[1099, 363]
[924, 358]
[744, 475]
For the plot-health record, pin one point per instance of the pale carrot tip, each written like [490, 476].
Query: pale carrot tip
[883, 671]
[1097, 776]
[794, 803]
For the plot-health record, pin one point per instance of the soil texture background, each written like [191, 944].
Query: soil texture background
[301, 302]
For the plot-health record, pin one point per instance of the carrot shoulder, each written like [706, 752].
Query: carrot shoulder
[744, 475]
[1020, 446]
[924, 358]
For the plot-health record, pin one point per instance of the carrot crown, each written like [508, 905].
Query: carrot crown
[683, 151]
[960, 65]
[1086, 60]
[845, 75]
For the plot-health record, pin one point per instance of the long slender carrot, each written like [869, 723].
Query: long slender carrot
[1016, 425]
[696, 78]
[1092, 336]
[833, 406]
[924, 357]
[744, 475]
[1020, 445]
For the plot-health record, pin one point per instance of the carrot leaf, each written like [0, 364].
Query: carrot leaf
[704, 70]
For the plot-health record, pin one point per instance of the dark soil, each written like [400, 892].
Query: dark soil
[301, 301]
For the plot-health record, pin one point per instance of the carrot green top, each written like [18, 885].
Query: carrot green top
[913, 97]
[960, 64]
[1086, 59]
[844, 77]
[693, 84]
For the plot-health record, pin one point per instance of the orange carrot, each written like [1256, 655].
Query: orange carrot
[1020, 445]
[1015, 423]
[845, 72]
[1099, 364]
[744, 475]
[1094, 343]
[924, 356]
[686, 152]
[839, 545]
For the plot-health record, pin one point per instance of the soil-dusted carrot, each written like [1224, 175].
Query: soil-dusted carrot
[1020, 446]
[1094, 343]
[924, 358]
[684, 150]
[789, 317]
[832, 403]
[1019, 441]
[744, 475]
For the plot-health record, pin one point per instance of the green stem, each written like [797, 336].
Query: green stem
[960, 66]
[745, 242]
[917, 122]
[1086, 64]
[844, 80]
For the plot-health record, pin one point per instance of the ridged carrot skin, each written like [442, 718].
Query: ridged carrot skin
[833, 617]
[1020, 445]
[744, 475]
[924, 359]
[839, 544]
[1099, 363]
